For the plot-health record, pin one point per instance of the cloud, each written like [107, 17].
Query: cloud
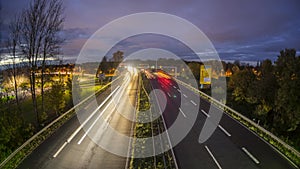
[76, 33]
[248, 30]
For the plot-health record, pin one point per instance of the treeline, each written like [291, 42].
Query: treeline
[270, 95]
[33, 37]
[18, 122]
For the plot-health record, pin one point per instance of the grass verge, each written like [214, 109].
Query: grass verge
[41, 136]
[142, 131]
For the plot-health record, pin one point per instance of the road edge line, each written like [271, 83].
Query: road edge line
[254, 159]
[213, 157]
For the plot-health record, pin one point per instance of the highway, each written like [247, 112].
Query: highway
[70, 148]
[232, 146]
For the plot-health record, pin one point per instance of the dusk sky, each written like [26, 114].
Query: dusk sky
[239, 30]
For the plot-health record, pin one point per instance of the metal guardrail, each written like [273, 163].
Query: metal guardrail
[4, 162]
[232, 112]
[142, 87]
[165, 127]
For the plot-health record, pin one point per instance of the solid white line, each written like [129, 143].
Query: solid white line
[86, 107]
[284, 156]
[59, 150]
[250, 155]
[121, 90]
[226, 132]
[182, 112]
[212, 156]
[185, 95]
[205, 113]
[193, 103]
[94, 112]
[168, 94]
[168, 137]
[131, 133]
[89, 129]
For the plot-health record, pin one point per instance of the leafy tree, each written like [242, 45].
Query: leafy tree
[55, 97]
[287, 117]
[104, 66]
[266, 87]
[242, 84]
[271, 93]
[13, 132]
[118, 56]
[237, 63]
[195, 69]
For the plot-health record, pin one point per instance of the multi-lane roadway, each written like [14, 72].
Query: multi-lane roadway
[232, 146]
[70, 147]
[76, 143]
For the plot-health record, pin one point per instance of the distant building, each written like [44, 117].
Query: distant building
[228, 72]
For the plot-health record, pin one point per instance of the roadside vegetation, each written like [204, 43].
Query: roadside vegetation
[269, 95]
[18, 121]
[37, 27]
[36, 88]
[148, 130]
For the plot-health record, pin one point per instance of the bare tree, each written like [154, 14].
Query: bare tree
[51, 42]
[41, 23]
[12, 45]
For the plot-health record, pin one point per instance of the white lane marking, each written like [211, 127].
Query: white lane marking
[60, 149]
[226, 132]
[94, 112]
[185, 95]
[86, 107]
[89, 129]
[193, 103]
[260, 138]
[106, 123]
[212, 156]
[129, 150]
[122, 92]
[163, 120]
[205, 113]
[178, 90]
[174, 87]
[182, 112]
[250, 155]
[168, 94]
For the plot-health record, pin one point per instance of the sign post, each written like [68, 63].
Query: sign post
[205, 75]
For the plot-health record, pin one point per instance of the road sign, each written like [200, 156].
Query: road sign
[205, 74]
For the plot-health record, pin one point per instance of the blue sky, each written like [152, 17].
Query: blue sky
[239, 30]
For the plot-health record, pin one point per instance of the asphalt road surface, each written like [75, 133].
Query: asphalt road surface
[232, 146]
[70, 148]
